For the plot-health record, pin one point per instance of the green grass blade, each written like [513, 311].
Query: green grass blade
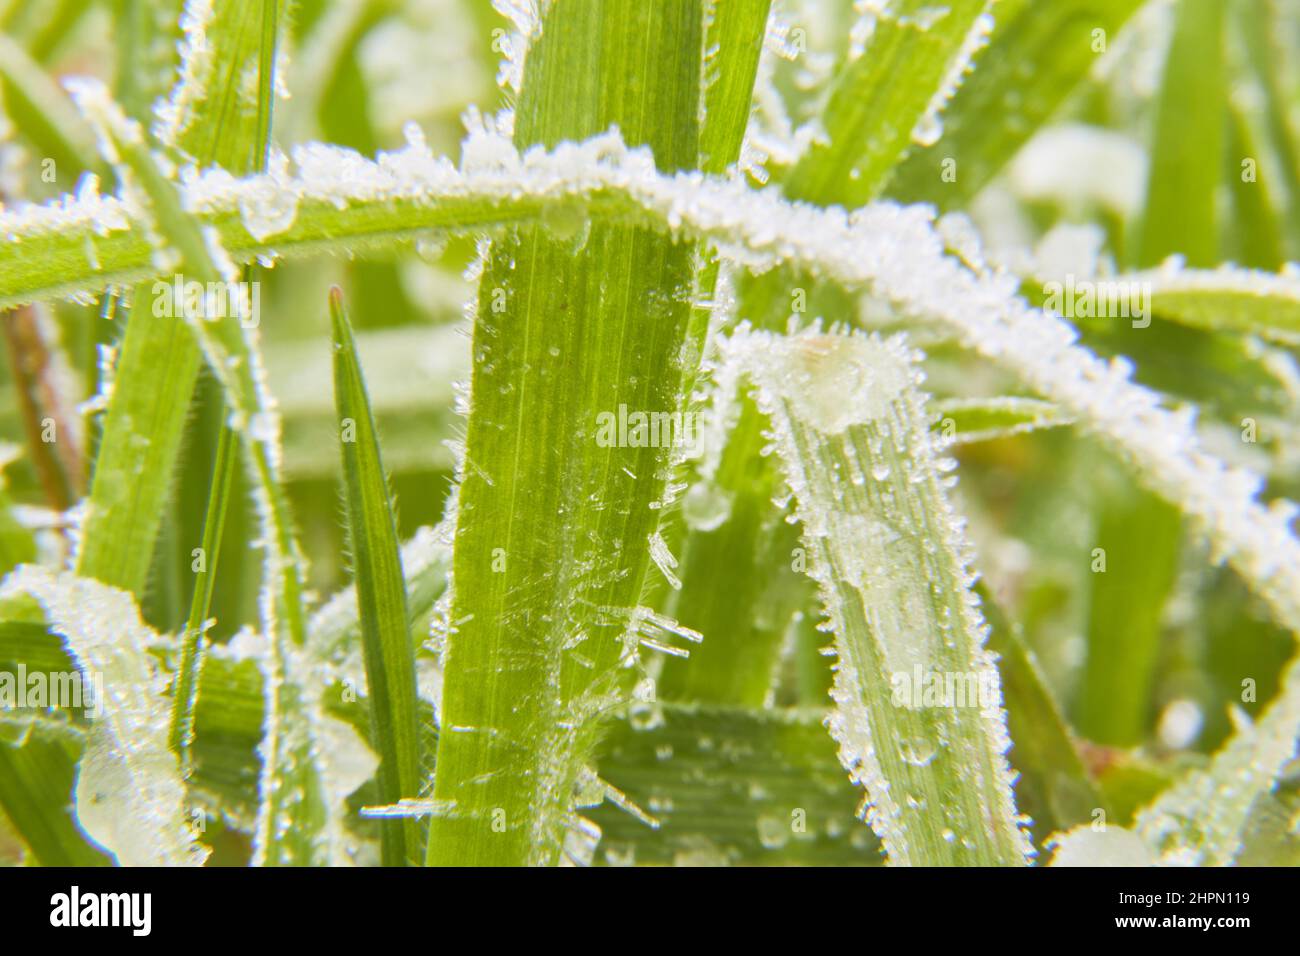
[17, 544]
[1134, 560]
[872, 118]
[147, 409]
[742, 787]
[918, 715]
[1054, 788]
[1205, 818]
[532, 665]
[741, 584]
[733, 42]
[1181, 214]
[1259, 23]
[157, 366]
[964, 420]
[997, 109]
[36, 784]
[1251, 235]
[300, 820]
[381, 592]
[1229, 299]
[231, 702]
[765, 232]
[214, 116]
[187, 676]
[148, 33]
[1202, 819]
[185, 693]
[41, 110]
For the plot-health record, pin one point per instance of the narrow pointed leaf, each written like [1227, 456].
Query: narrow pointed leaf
[381, 592]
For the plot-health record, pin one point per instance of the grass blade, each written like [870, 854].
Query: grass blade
[733, 42]
[381, 593]
[996, 112]
[1181, 213]
[1202, 819]
[871, 119]
[1054, 787]
[533, 663]
[146, 410]
[884, 247]
[886, 551]
[743, 787]
[38, 762]
[965, 420]
[185, 693]
[42, 111]
[1134, 561]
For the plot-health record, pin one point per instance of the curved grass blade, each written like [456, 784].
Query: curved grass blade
[381, 593]
[760, 231]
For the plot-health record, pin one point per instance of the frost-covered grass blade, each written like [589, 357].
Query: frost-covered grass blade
[918, 704]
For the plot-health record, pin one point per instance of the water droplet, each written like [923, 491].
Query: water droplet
[928, 130]
[773, 832]
[918, 751]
